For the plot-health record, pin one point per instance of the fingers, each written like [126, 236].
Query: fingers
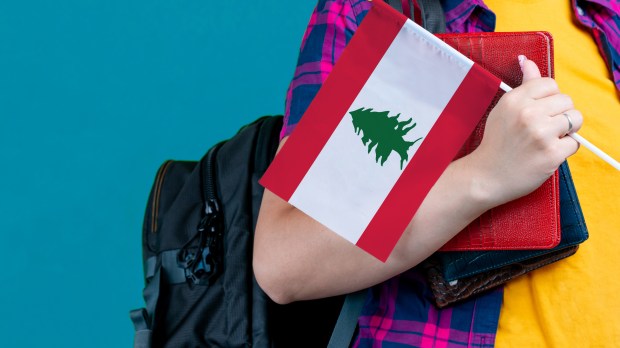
[566, 123]
[552, 142]
[549, 100]
[533, 85]
[555, 140]
[529, 69]
[567, 147]
[540, 88]
[542, 114]
[550, 106]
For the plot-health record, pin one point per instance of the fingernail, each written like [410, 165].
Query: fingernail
[522, 59]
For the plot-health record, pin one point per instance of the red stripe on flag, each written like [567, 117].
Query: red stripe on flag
[454, 125]
[358, 61]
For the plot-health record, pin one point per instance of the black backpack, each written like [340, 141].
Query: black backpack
[197, 250]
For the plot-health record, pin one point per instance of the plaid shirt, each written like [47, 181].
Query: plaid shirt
[334, 21]
[400, 311]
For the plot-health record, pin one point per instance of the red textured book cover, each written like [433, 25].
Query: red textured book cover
[532, 221]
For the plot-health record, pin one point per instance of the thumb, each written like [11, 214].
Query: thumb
[529, 68]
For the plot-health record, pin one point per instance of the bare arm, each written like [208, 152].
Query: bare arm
[297, 258]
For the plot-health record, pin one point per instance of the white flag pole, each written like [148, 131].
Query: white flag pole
[581, 140]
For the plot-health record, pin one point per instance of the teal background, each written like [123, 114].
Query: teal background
[94, 95]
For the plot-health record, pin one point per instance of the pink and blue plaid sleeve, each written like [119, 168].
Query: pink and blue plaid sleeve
[603, 19]
[400, 313]
[331, 26]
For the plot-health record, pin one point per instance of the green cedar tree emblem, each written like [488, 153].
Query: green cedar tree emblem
[383, 132]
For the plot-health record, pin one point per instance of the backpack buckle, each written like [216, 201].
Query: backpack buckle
[201, 263]
[204, 271]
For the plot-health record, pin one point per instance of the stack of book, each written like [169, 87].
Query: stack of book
[525, 234]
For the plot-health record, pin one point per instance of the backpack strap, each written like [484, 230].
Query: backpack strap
[143, 318]
[432, 15]
[401, 6]
[143, 335]
[427, 13]
[347, 320]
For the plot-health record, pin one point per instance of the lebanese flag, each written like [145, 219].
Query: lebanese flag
[386, 123]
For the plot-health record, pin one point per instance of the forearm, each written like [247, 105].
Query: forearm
[297, 258]
[524, 142]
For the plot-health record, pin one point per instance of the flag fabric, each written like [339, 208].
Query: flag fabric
[388, 120]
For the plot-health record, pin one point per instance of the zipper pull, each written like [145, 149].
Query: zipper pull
[212, 207]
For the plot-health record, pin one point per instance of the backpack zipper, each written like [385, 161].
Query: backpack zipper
[159, 182]
[202, 261]
[209, 185]
[212, 208]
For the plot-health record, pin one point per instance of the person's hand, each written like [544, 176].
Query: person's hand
[524, 141]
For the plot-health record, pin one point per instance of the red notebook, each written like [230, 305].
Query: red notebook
[533, 221]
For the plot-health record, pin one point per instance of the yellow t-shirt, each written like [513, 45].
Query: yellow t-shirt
[574, 302]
